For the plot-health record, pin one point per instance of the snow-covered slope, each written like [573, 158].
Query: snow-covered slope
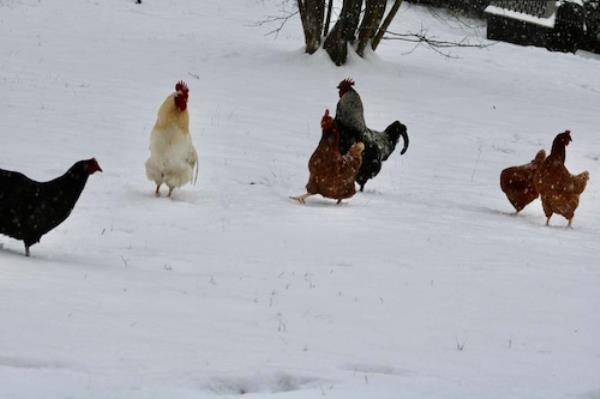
[424, 286]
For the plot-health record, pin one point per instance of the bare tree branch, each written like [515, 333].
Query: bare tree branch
[432, 43]
[281, 20]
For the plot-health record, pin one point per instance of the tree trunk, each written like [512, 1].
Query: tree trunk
[375, 10]
[315, 24]
[312, 13]
[328, 18]
[386, 24]
[343, 32]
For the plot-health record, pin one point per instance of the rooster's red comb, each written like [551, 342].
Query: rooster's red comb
[182, 87]
[346, 84]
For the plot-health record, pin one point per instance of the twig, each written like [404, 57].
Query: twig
[476, 164]
[432, 43]
[281, 20]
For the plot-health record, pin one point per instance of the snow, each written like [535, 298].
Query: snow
[424, 286]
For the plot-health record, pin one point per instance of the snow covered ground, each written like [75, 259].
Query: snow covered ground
[424, 286]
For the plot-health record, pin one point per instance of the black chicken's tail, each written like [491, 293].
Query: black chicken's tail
[394, 131]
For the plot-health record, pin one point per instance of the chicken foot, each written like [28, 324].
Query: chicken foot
[569, 224]
[157, 192]
[302, 198]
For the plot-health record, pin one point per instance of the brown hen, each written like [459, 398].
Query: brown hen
[517, 182]
[332, 174]
[559, 189]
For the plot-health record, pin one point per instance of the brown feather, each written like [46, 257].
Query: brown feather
[517, 182]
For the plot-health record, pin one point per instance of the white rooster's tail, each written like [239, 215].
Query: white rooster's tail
[194, 163]
[195, 173]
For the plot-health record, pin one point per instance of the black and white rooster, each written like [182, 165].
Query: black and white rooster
[351, 123]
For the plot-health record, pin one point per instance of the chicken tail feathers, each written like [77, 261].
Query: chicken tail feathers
[394, 132]
[404, 134]
[192, 160]
[539, 157]
[581, 181]
[195, 173]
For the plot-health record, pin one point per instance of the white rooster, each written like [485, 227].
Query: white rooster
[173, 158]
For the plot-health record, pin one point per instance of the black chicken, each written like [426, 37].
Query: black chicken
[351, 123]
[30, 209]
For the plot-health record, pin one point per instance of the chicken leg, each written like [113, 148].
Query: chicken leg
[171, 189]
[157, 192]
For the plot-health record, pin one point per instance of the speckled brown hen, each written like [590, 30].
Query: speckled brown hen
[331, 174]
[559, 189]
[517, 182]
